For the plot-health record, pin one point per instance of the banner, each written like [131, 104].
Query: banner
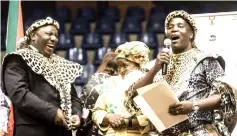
[217, 34]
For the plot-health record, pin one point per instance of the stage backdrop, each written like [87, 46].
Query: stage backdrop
[217, 33]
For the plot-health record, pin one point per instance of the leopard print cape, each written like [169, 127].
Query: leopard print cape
[58, 72]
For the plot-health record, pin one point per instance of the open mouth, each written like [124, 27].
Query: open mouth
[50, 46]
[174, 37]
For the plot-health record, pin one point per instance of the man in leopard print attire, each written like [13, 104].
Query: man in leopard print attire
[194, 76]
[40, 84]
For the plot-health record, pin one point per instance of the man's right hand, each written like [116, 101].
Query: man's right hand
[60, 120]
[116, 121]
[163, 57]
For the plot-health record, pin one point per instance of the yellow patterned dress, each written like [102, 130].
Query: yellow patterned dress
[112, 101]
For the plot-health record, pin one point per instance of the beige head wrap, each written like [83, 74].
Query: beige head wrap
[134, 51]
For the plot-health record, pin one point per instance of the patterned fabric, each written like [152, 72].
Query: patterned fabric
[6, 115]
[130, 94]
[202, 130]
[24, 42]
[180, 65]
[89, 96]
[185, 16]
[134, 51]
[4, 112]
[91, 90]
[112, 101]
[191, 76]
[59, 72]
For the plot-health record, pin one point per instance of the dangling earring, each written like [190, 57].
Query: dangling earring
[192, 41]
[194, 44]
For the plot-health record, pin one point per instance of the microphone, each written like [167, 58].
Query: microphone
[167, 44]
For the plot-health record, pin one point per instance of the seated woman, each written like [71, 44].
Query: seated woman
[111, 112]
[107, 68]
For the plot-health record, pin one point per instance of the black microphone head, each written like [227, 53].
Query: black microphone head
[167, 43]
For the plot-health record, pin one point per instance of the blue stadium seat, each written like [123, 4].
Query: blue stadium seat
[99, 54]
[28, 23]
[88, 70]
[64, 14]
[80, 26]
[77, 55]
[208, 8]
[181, 7]
[131, 26]
[111, 12]
[155, 53]
[37, 13]
[136, 12]
[117, 39]
[92, 41]
[61, 25]
[149, 38]
[156, 25]
[3, 42]
[157, 12]
[65, 41]
[105, 26]
[87, 13]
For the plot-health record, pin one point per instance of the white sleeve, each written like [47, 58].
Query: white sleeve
[150, 64]
[131, 78]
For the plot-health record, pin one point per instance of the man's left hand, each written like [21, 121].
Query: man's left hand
[183, 107]
[75, 122]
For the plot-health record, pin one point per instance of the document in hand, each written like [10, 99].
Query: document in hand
[154, 101]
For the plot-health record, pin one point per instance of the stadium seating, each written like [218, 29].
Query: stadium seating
[111, 12]
[78, 55]
[87, 13]
[131, 26]
[105, 26]
[88, 70]
[99, 54]
[63, 13]
[92, 41]
[118, 38]
[65, 41]
[136, 12]
[156, 25]
[37, 13]
[80, 26]
[149, 38]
